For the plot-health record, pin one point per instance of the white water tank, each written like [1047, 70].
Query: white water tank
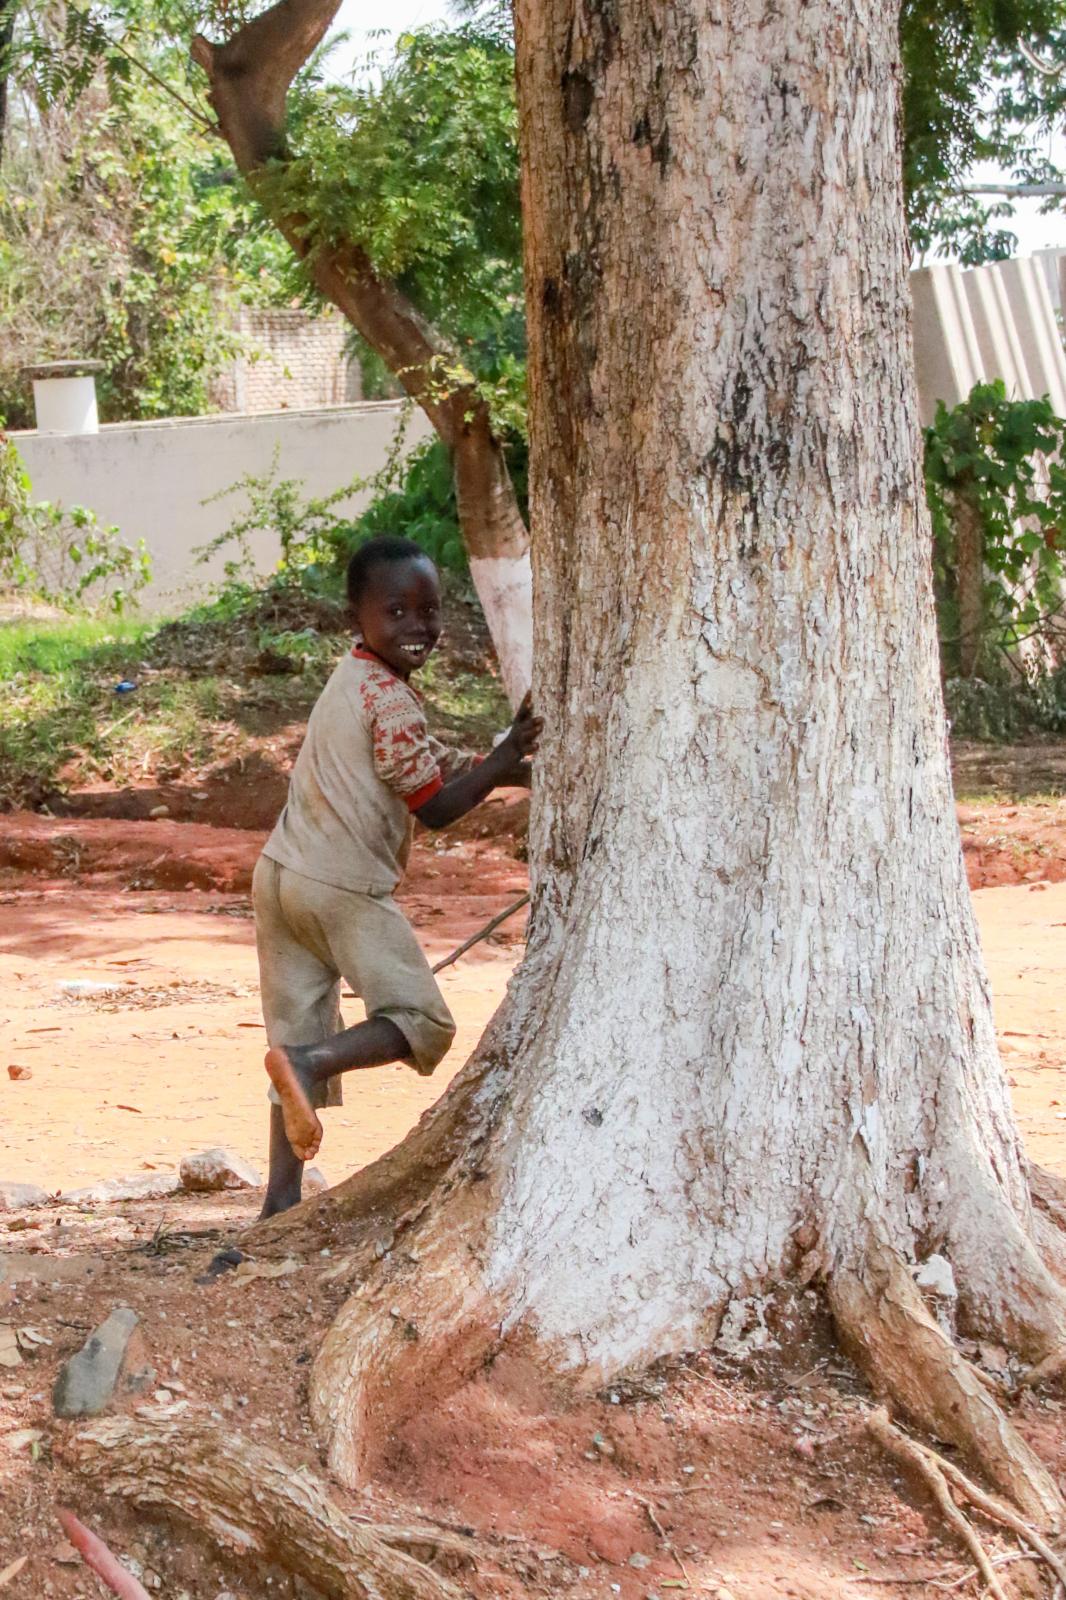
[64, 396]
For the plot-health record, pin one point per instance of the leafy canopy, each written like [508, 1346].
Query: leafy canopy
[123, 236]
[972, 94]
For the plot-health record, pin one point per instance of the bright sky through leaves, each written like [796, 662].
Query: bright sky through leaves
[363, 18]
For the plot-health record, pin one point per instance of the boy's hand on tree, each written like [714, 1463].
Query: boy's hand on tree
[518, 745]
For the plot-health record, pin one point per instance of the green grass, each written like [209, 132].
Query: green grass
[205, 691]
[66, 643]
[57, 697]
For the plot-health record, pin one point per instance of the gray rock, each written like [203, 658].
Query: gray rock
[22, 1196]
[218, 1168]
[87, 1382]
[315, 1181]
[142, 1186]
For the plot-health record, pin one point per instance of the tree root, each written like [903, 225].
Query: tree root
[883, 1321]
[248, 1500]
[939, 1474]
[99, 1559]
[1048, 1193]
[928, 1466]
[422, 1326]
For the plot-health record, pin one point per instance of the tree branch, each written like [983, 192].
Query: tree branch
[250, 74]
[1023, 189]
[186, 105]
[1048, 69]
[249, 78]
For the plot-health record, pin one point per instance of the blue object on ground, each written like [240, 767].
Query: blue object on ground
[125, 687]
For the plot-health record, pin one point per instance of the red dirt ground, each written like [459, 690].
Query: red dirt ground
[752, 1486]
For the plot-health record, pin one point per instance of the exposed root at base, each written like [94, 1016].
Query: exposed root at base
[882, 1319]
[939, 1474]
[928, 1466]
[418, 1326]
[249, 1501]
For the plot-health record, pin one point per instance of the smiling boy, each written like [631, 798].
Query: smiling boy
[323, 887]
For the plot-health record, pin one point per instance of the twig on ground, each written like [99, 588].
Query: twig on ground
[929, 1466]
[661, 1533]
[95, 1554]
[482, 933]
[941, 1580]
[998, 1512]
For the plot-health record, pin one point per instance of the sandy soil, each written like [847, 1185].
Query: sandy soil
[168, 1059]
[696, 1480]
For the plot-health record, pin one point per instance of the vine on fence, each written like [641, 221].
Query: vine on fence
[996, 486]
[60, 555]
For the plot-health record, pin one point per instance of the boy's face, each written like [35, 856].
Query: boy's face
[399, 612]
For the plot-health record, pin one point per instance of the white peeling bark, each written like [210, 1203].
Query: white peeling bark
[504, 586]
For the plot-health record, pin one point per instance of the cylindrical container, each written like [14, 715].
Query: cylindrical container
[64, 396]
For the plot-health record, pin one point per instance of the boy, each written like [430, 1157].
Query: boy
[322, 889]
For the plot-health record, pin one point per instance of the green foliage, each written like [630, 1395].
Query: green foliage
[62, 557]
[1002, 457]
[419, 166]
[969, 96]
[124, 237]
[422, 507]
[1006, 710]
[313, 537]
[412, 495]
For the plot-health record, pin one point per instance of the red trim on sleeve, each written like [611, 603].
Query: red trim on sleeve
[427, 791]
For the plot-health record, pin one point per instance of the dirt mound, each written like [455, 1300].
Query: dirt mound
[163, 853]
[245, 792]
[197, 844]
[129, 855]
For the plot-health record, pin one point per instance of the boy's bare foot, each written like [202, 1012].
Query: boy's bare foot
[302, 1127]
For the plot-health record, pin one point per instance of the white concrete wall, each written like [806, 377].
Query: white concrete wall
[996, 321]
[152, 478]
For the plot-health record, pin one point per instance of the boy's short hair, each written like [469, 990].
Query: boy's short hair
[379, 552]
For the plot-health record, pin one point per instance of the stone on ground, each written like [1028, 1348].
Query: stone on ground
[21, 1196]
[142, 1186]
[87, 1382]
[218, 1168]
[315, 1181]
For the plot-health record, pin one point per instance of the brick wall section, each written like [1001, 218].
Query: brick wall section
[291, 361]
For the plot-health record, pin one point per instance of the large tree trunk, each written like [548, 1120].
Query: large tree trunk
[751, 1040]
[249, 78]
[8, 9]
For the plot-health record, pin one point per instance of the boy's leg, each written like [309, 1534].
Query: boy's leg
[299, 988]
[374, 946]
[299, 1072]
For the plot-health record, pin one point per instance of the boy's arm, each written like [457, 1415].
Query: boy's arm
[507, 765]
[453, 763]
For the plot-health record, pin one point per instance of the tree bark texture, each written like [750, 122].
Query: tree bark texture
[8, 10]
[751, 1040]
[251, 1503]
[249, 78]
